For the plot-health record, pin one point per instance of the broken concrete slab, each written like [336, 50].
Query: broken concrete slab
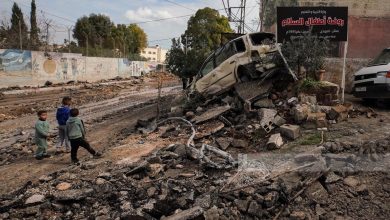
[278, 121]
[186, 214]
[317, 193]
[300, 112]
[310, 99]
[210, 114]
[274, 142]
[264, 103]
[224, 143]
[208, 129]
[338, 113]
[315, 120]
[249, 91]
[240, 143]
[290, 131]
[73, 194]
[35, 199]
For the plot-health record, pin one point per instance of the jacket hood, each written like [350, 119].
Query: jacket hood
[72, 119]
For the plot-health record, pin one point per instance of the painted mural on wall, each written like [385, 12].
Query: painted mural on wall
[58, 66]
[12, 60]
[33, 68]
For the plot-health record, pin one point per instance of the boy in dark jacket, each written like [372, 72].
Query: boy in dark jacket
[41, 135]
[62, 116]
[75, 131]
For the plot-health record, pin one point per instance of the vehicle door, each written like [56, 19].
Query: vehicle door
[226, 64]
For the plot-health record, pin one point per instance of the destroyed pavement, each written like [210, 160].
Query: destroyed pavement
[226, 161]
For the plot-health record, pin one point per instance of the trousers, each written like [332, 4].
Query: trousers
[79, 142]
[62, 137]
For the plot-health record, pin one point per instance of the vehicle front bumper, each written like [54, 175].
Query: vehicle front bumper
[373, 91]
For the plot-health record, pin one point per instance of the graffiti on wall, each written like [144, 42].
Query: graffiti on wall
[12, 60]
[36, 67]
[58, 66]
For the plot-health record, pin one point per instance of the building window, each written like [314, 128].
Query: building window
[144, 52]
[154, 52]
[149, 52]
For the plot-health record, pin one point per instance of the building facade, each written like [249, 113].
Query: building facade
[155, 54]
[368, 25]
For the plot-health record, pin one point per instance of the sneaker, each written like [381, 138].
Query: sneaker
[38, 157]
[97, 155]
[76, 162]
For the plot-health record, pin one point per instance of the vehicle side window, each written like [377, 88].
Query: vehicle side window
[225, 53]
[240, 45]
[207, 67]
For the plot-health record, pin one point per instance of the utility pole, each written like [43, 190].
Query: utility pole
[47, 34]
[69, 28]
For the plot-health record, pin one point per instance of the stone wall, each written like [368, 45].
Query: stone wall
[34, 68]
[334, 70]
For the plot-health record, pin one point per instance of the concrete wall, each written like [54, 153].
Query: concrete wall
[368, 36]
[334, 70]
[33, 68]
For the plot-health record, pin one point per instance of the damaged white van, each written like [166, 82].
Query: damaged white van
[373, 81]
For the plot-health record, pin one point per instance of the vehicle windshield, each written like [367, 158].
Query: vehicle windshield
[383, 58]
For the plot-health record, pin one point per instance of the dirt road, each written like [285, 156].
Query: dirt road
[107, 122]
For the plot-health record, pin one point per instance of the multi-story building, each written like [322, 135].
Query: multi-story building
[156, 54]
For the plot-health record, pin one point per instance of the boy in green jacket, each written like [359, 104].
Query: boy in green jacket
[75, 131]
[41, 135]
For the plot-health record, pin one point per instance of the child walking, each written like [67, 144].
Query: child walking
[75, 131]
[62, 116]
[41, 135]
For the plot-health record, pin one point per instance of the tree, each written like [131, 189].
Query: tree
[102, 33]
[308, 51]
[202, 36]
[96, 28]
[175, 61]
[15, 33]
[34, 31]
[138, 39]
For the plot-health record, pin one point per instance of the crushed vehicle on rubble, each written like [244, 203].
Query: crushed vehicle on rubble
[251, 57]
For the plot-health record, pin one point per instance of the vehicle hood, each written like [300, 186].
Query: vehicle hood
[373, 69]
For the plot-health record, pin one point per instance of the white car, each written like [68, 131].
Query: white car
[248, 57]
[373, 81]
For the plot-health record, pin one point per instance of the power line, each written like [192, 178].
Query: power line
[63, 18]
[180, 5]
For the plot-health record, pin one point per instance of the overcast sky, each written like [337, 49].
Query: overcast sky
[127, 12]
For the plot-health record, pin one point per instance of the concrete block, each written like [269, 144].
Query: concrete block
[290, 131]
[274, 142]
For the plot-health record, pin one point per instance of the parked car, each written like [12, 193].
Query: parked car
[251, 56]
[373, 81]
